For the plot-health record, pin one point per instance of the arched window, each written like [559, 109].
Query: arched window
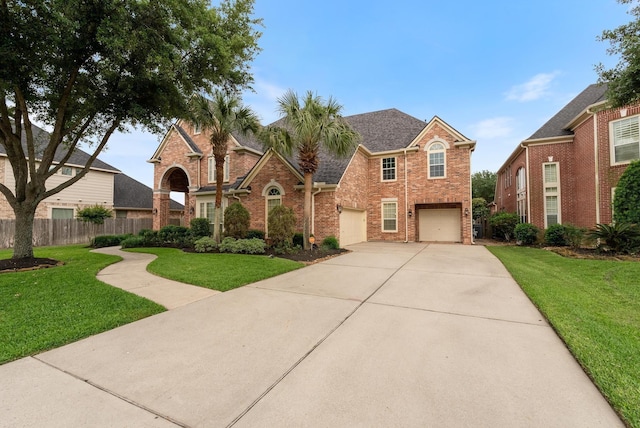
[274, 198]
[436, 153]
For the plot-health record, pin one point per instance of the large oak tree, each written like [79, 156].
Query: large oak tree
[624, 79]
[86, 68]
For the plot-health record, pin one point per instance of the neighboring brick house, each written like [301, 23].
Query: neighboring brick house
[567, 171]
[102, 185]
[407, 181]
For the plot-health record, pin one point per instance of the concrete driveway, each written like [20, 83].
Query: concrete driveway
[407, 335]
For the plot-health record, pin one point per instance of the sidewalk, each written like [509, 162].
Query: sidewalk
[131, 274]
[407, 335]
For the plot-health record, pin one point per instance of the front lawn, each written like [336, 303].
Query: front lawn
[47, 308]
[594, 305]
[218, 271]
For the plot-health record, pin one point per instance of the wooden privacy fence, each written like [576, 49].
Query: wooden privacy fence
[72, 231]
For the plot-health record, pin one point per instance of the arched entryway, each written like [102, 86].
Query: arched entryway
[174, 179]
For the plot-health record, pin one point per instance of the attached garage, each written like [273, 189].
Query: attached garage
[353, 226]
[440, 224]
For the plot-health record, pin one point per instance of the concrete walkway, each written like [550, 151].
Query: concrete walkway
[406, 335]
[131, 274]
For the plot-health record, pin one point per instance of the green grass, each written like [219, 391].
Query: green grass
[220, 272]
[594, 305]
[47, 308]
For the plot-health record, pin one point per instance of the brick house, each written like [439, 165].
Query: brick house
[407, 181]
[567, 171]
[102, 185]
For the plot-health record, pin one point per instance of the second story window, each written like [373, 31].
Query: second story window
[625, 140]
[212, 169]
[437, 166]
[388, 169]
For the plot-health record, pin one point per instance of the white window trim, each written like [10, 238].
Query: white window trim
[395, 169]
[557, 193]
[385, 201]
[427, 148]
[612, 150]
[211, 173]
[196, 129]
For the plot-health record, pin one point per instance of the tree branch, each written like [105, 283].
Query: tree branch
[87, 166]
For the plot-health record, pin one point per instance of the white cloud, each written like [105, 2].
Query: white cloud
[536, 88]
[496, 127]
[264, 101]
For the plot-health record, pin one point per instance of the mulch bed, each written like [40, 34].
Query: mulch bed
[30, 263]
[309, 256]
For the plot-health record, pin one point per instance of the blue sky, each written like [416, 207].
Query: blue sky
[494, 70]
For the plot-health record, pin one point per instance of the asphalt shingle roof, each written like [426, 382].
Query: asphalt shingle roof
[79, 157]
[381, 130]
[130, 193]
[555, 127]
[192, 145]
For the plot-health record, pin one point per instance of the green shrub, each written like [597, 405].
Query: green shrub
[617, 237]
[199, 227]
[282, 222]
[504, 224]
[149, 237]
[109, 240]
[331, 243]
[626, 201]
[236, 221]
[574, 235]
[254, 233]
[205, 244]
[175, 236]
[133, 242]
[526, 233]
[244, 246]
[298, 239]
[96, 214]
[555, 236]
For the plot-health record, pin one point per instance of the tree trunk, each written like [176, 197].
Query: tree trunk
[23, 235]
[217, 217]
[306, 228]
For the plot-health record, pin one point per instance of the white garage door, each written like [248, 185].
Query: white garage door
[440, 225]
[353, 227]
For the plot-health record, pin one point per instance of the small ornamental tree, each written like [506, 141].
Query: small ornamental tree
[626, 202]
[95, 215]
[282, 223]
[479, 208]
[236, 221]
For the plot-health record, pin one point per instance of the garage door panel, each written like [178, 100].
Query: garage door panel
[440, 225]
[353, 227]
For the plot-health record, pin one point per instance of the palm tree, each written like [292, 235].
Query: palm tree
[220, 117]
[309, 124]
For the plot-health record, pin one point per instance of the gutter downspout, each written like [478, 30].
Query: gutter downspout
[406, 200]
[596, 162]
[313, 211]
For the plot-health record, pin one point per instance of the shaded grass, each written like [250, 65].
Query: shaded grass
[47, 308]
[594, 305]
[218, 271]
